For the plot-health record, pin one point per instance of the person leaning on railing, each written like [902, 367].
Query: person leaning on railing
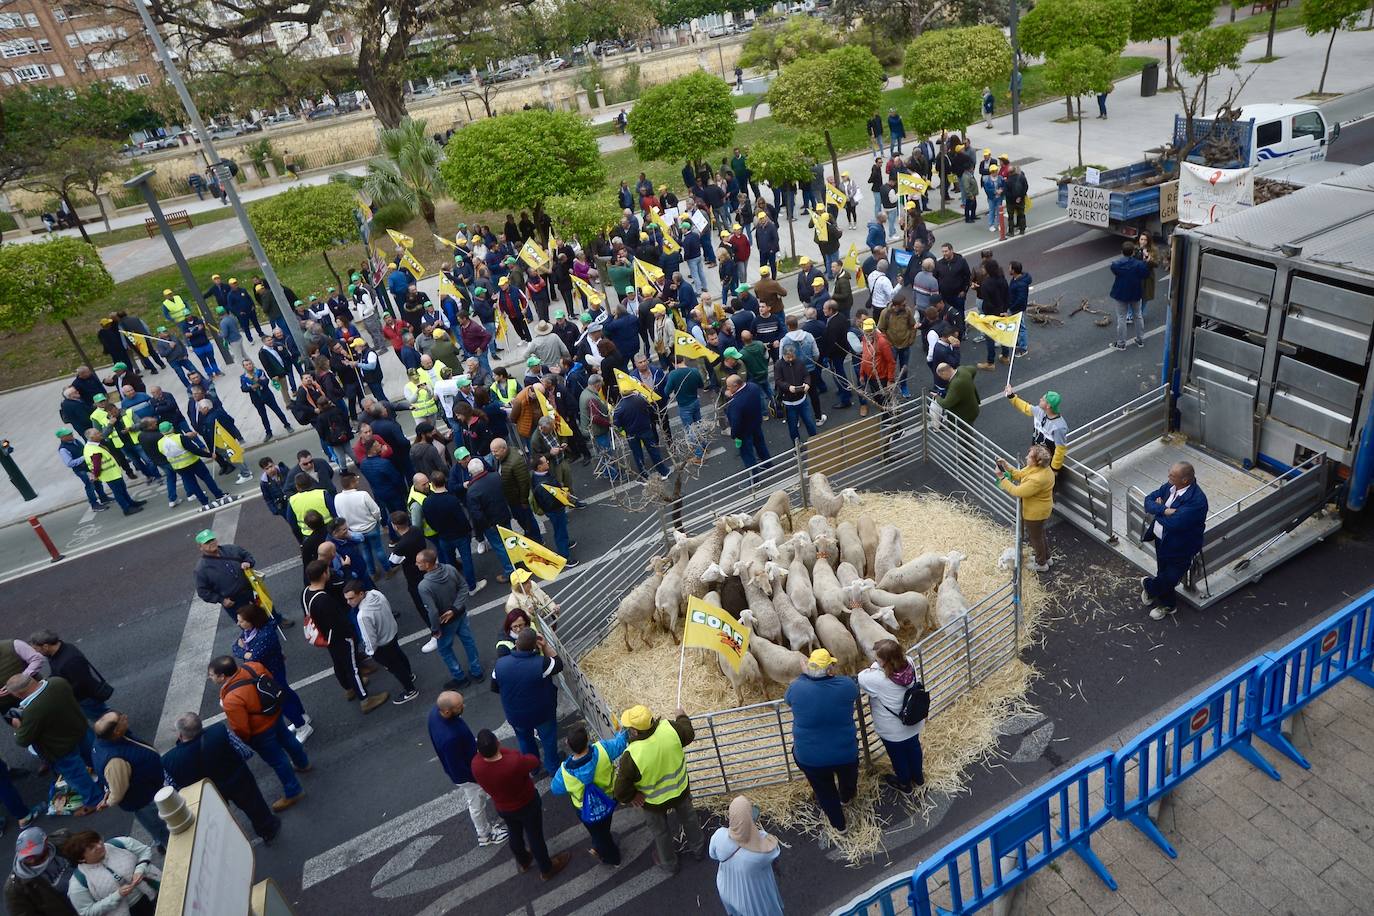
[1034, 486]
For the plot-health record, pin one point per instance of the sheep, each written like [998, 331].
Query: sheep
[729, 551]
[739, 521]
[846, 574]
[827, 552]
[883, 613]
[770, 527]
[805, 548]
[779, 665]
[949, 601]
[694, 581]
[910, 607]
[916, 575]
[868, 536]
[819, 526]
[824, 498]
[769, 624]
[851, 547]
[755, 554]
[868, 631]
[853, 593]
[796, 629]
[732, 596]
[799, 589]
[837, 640]
[681, 537]
[829, 596]
[785, 553]
[669, 597]
[747, 675]
[637, 608]
[888, 555]
[780, 504]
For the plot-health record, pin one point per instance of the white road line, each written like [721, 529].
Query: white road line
[632, 846]
[1068, 367]
[381, 838]
[186, 687]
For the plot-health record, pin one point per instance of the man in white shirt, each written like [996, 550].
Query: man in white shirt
[364, 517]
[879, 289]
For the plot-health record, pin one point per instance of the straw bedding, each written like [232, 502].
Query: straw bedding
[955, 739]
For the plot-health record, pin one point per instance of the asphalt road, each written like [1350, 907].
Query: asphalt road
[376, 824]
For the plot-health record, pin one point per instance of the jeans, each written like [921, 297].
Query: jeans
[753, 448]
[95, 492]
[558, 520]
[834, 786]
[528, 523]
[992, 349]
[769, 260]
[462, 548]
[1169, 571]
[877, 142]
[970, 209]
[493, 538]
[93, 708]
[690, 415]
[697, 274]
[800, 415]
[206, 355]
[528, 823]
[72, 768]
[280, 750]
[548, 742]
[665, 844]
[1102, 104]
[492, 349]
[907, 761]
[639, 445]
[993, 203]
[1125, 311]
[460, 628]
[903, 361]
[121, 493]
[157, 829]
[895, 147]
[198, 471]
[181, 367]
[877, 204]
[603, 841]
[374, 551]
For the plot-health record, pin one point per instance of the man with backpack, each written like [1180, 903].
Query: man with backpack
[251, 701]
[586, 778]
[329, 625]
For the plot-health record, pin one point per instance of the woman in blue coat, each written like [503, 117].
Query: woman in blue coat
[260, 641]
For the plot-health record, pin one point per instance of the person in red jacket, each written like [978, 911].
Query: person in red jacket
[504, 774]
[877, 364]
[243, 695]
[739, 243]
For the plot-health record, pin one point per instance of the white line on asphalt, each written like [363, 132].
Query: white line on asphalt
[186, 687]
[632, 846]
[380, 838]
[1083, 361]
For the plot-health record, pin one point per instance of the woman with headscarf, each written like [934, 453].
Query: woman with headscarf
[745, 879]
[886, 682]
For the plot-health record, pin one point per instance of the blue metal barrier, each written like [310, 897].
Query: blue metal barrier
[888, 900]
[1210, 724]
[1035, 829]
[1292, 677]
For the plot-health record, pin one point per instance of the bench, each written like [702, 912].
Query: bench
[177, 219]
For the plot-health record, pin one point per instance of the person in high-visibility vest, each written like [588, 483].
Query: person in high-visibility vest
[418, 392]
[175, 308]
[653, 776]
[185, 456]
[102, 467]
[592, 765]
[309, 495]
[415, 504]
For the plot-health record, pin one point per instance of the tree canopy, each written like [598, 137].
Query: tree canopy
[304, 220]
[1329, 16]
[80, 163]
[1054, 25]
[944, 106]
[522, 159]
[582, 217]
[408, 170]
[774, 46]
[683, 119]
[833, 89]
[976, 56]
[1206, 52]
[1075, 71]
[54, 280]
[1152, 20]
[674, 12]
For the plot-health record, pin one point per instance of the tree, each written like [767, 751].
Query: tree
[1057, 25]
[1152, 20]
[1329, 16]
[522, 159]
[54, 280]
[772, 46]
[781, 163]
[979, 55]
[1075, 71]
[939, 107]
[1202, 55]
[683, 119]
[674, 12]
[408, 172]
[80, 164]
[304, 220]
[819, 93]
[582, 218]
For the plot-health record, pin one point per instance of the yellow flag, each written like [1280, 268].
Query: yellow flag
[685, 344]
[447, 243]
[417, 270]
[546, 409]
[1004, 329]
[710, 627]
[670, 245]
[446, 288]
[910, 184]
[533, 255]
[256, 580]
[141, 342]
[851, 264]
[531, 555]
[400, 238]
[562, 494]
[595, 298]
[648, 277]
[228, 443]
[366, 210]
[834, 195]
[500, 324]
[820, 221]
[628, 383]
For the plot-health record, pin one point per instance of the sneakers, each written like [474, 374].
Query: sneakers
[406, 697]
[1118, 346]
[372, 702]
[821, 421]
[1159, 612]
[481, 547]
[986, 366]
[132, 509]
[1145, 598]
[430, 646]
[481, 584]
[570, 564]
[282, 804]
[1139, 343]
[173, 503]
[243, 479]
[303, 732]
[496, 836]
[208, 506]
[100, 507]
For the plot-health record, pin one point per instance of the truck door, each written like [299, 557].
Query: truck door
[1269, 146]
[1308, 133]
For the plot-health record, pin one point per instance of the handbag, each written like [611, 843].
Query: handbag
[105, 690]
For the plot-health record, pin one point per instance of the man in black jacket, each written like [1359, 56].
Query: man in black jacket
[407, 546]
[1017, 190]
[834, 347]
[221, 576]
[487, 507]
[953, 274]
[67, 661]
[215, 754]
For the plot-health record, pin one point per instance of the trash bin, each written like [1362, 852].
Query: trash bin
[1149, 79]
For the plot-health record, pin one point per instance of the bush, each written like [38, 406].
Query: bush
[976, 56]
[886, 48]
[392, 216]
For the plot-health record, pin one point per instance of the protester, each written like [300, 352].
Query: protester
[38, 881]
[1048, 428]
[961, 391]
[213, 753]
[825, 743]
[54, 725]
[131, 771]
[260, 641]
[505, 776]
[69, 663]
[114, 877]
[529, 695]
[653, 776]
[249, 698]
[381, 636]
[445, 595]
[887, 682]
[1179, 510]
[1128, 289]
[455, 746]
[747, 876]
[1033, 485]
[587, 777]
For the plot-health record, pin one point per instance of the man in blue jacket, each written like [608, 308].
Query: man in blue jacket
[131, 772]
[744, 410]
[529, 695]
[623, 329]
[635, 418]
[1178, 510]
[455, 746]
[825, 741]
[214, 754]
[487, 507]
[1129, 273]
[398, 284]
[692, 256]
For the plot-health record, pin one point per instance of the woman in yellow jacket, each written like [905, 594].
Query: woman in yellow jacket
[1034, 486]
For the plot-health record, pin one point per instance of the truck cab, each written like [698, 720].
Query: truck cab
[1285, 135]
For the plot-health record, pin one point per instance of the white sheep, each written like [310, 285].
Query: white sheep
[888, 555]
[796, 629]
[829, 596]
[826, 501]
[762, 605]
[780, 504]
[851, 546]
[805, 548]
[799, 589]
[739, 521]
[909, 607]
[779, 665]
[819, 526]
[706, 556]
[729, 552]
[636, 609]
[949, 601]
[770, 527]
[916, 575]
[748, 674]
[827, 552]
[868, 535]
[785, 553]
[669, 598]
[694, 541]
[869, 631]
[846, 573]
[838, 641]
[885, 614]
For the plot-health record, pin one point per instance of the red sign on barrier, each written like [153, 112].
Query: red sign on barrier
[1199, 719]
[1331, 640]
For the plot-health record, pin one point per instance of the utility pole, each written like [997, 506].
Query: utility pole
[1015, 72]
[222, 171]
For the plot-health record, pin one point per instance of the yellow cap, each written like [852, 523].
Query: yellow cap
[724, 234]
[987, 152]
[504, 281]
[518, 576]
[637, 717]
[804, 261]
[214, 276]
[765, 271]
[166, 292]
[357, 343]
[821, 658]
[911, 205]
[819, 281]
[643, 236]
[869, 324]
[735, 227]
[958, 148]
[844, 174]
[437, 332]
[233, 280]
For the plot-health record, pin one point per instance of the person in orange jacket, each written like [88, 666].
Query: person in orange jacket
[877, 364]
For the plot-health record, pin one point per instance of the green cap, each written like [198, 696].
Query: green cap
[314, 298]
[732, 353]
[298, 302]
[165, 427]
[559, 313]
[331, 289]
[120, 366]
[352, 288]
[464, 382]
[510, 259]
[532, 361]
[1052, 398]
[586, 317]
[219, 310]
[162, 329]
[629, 290]
[98, 399]
[742, 288]
[479, 290]
[63, 432]
[205, 537]
[356, 277]
[461, 452]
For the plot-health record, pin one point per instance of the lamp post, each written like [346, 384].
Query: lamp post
[140, 182]
[1015, 72]
[222, 171]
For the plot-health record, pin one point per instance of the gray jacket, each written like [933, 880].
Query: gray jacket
[443, 589]
[376, 621]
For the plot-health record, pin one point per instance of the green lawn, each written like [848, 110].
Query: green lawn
[1290, 17]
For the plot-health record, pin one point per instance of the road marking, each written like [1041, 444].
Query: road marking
[1077, 240]
[381, 838]
[632, 846]
[1033, 382]
[186, 687]
[428, 877]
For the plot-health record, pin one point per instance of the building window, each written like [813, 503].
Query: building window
[58, 71]
[73, 41]
[59, 14]
[44, 44]
[11, 21]
[122, 82]
[18, 47]
[31, 20]
[340, 39]
[32, 73]
[144, 79]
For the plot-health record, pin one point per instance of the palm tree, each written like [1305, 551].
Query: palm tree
[409, 171]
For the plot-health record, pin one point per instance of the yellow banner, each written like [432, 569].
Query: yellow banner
[710, 627]
[911, 184]
[820, 222]
[531, 555]
[685, 344]
[366, 210]
[255, 579]
[141, 342]
[851, 264]
[400, 238]
[670, 245]
[648, 277]
[1004, 329]
[417, 270]
[501, 326]
[536, 257]
[627, 382]
[446, 288]
[562, 494]
[595, 298]
[227, 442]
[834, 195]
[559, 424]
[447, 243]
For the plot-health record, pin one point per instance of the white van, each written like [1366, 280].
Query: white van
[1287, 134]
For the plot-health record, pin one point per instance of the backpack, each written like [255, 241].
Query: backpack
[269, 691]
[915, 705]
[596, 804]
[310, 630]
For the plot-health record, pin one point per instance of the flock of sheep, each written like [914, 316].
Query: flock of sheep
[842, 586]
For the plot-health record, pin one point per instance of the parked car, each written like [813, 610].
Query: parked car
[502, 75]
[555, 63]
[157, 143]
[321, 112]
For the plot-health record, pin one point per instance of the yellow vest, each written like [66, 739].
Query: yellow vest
[173, 448]
[506, 391]
[177, 310]
[661, 763]
[302, 503]
[417, 497]
[101, 420]
[602, 776]
[422, 403]
[108, 469]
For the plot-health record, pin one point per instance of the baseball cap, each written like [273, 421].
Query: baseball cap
[765, 271]
[804, 261]
[629, 290]
[510, 259]
[559, 313]
[63, 432]
[166, 292]
[358, 343]
[821, 658]
[437, 332]
[219, 310]
[30, 842]
[205, 536]
[214, 276]
[519, 575]
[162, 329]
[504, 281]
[533, 361]
[165, 427]
[818, 281]
[742, 288]
[98, 398]
[233, 280]
[658, 309]
[461, 452]
[1052, 398]
[637, 717]
[732, 353]
[479, 290]
[120, 366]
[869, 324]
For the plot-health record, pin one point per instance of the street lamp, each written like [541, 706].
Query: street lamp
[1015, 72]
[223, 172]
[140, 182]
